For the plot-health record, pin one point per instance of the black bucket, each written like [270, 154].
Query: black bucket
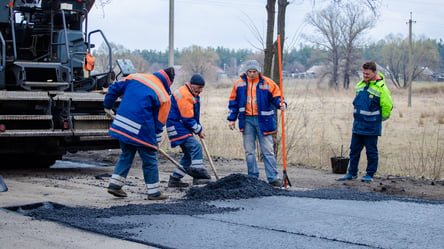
[339, 164]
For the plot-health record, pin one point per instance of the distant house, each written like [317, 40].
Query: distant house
[316, 71]
[220, 74]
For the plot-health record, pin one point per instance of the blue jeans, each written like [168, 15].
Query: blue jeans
[358, 142]
[251, 132]
[149, 162]
[192, 156]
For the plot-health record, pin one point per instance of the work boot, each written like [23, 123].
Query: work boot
[276, 183]
[159, 196]
[199, 173]
[117, 192]
[176, 182]
[199, 181]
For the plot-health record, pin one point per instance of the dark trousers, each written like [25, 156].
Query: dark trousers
[358, 142]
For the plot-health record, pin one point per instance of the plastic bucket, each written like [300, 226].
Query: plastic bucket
[339, 165]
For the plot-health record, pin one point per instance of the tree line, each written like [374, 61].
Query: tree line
[337, 44]
[390, 53]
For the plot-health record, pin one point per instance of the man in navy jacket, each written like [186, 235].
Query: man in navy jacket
[138, 125]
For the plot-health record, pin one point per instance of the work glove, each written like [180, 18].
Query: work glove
[109, 113]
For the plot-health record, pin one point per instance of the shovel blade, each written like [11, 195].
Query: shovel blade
[3, 187]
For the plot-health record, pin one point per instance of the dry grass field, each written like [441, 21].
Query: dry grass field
[318, 123]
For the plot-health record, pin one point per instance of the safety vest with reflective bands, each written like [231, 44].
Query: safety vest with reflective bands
[268, 98]
[143, 111]
[372, 105]
[183, 120]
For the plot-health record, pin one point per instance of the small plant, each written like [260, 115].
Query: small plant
[342, 155]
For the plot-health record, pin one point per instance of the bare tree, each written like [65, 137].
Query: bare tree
[282, 8]
[328, 26]
[355, 23]
[196, 59]
[394, 55]
[269, 48]
[372, 5]
[99, 4]
[270, 44]
[394, 58]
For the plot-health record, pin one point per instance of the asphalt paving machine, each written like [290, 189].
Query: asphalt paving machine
[50, 100]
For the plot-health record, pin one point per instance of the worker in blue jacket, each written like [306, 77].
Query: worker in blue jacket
[182, 124]
[253, 102]
[372, 105]
[138, 125]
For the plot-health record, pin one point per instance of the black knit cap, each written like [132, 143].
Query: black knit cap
[170, 72]
[197, 79]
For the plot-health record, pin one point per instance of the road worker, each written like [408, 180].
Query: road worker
[182, 124]
[253, 101]
[138, 125]
[372, 105]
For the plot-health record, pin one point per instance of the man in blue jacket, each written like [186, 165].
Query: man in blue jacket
[138, 125]
[372, 105]
[182, 124]
[253, 102]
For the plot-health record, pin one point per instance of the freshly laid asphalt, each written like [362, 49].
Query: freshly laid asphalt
[278, 219]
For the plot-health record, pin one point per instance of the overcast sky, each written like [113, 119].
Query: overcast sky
[144, 24]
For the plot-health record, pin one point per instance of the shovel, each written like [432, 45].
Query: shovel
[162, 152]
[204, 145]
[176, 163]
[3, 187]
[285, 178]
[171, 159]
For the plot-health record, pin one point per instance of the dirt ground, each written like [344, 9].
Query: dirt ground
[71, 183]
[96, 179]
[300, 177]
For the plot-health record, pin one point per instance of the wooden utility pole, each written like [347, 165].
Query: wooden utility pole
[410, 61]
[171, 36]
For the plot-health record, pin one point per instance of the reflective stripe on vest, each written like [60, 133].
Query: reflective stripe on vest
[153, 85]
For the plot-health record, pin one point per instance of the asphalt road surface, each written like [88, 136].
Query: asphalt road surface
[70, 208]
[346, 219]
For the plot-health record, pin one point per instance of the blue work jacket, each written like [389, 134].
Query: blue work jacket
[143, 110]
[372, 105]
[268, 97]
[183, 120]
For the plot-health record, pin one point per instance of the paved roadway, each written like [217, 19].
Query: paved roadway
[295, 222]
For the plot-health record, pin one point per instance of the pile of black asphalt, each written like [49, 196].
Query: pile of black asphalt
[241, 186]
[197, 201]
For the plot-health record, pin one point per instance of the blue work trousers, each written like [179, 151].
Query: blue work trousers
[192, 156]
[250, 133]
[358, 142]
[149, 162]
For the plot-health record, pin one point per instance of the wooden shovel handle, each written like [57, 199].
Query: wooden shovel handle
[209, 157]
[171, 159]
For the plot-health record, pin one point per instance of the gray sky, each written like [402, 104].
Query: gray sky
[143, 24]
